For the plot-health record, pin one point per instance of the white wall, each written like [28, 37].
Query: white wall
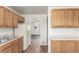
[4, 31]
[23, 31]
[43, 30]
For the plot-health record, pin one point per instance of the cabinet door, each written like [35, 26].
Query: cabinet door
[77, 46]
[68, 46]
[69, 20]
[63, 46]
[15, 20]
[21, 44]
[8, 50]
[16, 46]
[8, 18]
[1, 17]
[21, 19]
[57, 16]
[76, 18]
[55, 46]
[65, 16]
[15, 49]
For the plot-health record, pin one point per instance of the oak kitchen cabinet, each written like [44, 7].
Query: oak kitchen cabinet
[55, 46]
[65, 18]
[69, 19]
[13, 46]
[76, 18]
[16, 46]
[21, 19]
[65, 46]
[15, 20]
[57, 15]
[68, 46]
[8, 18]
[1, 16]
[6, 48]
[21, 44]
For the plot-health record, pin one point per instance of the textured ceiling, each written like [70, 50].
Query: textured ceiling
[30, 9]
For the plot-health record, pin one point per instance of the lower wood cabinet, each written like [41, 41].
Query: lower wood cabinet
[21, 44]
[65, 46]
[15, 49]
[15, 46]
[68, 46]
[55, 46]
[8, 50]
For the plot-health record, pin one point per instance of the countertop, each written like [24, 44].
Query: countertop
[64, 37]
[10, 40]
[3, 34]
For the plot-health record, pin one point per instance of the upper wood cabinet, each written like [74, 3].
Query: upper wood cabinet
[69, 20]
[1, 16]
[58, 15]
[65, 18]
[21, 19]
[15, 20]
[9, 18]
[76, 18]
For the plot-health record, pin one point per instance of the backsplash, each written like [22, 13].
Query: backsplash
[65, 31]
[5, 30]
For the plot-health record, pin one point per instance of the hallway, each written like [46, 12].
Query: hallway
[37, 49]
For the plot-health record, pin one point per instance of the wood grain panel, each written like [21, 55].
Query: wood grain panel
[55, 46]
[57, 17]
[1, 17]
[64, 46]
[69, 19]
[8, 18]
[76, 18]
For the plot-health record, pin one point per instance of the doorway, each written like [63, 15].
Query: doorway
[39, 34]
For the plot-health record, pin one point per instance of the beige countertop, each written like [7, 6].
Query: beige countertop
[68, 37]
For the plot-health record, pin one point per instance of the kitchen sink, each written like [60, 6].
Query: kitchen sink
[3, 41]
